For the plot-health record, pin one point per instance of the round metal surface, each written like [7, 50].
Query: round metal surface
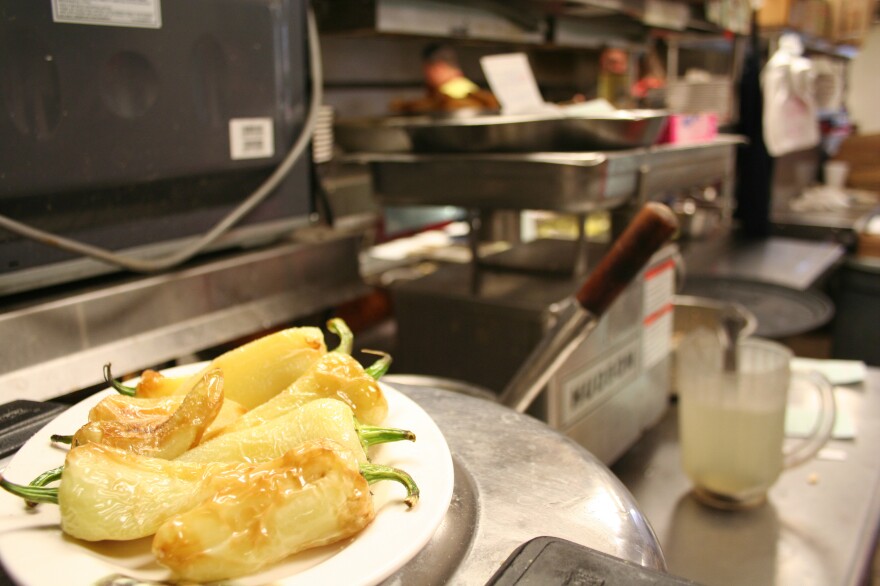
[781, 311]
[516, 479]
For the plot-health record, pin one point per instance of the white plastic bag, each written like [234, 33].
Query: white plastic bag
[791, 120]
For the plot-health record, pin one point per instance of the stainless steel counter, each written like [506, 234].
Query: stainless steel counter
[798, 264]
[819, 526]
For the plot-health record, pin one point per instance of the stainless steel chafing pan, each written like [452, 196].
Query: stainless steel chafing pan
[502, 133]
[564, 182]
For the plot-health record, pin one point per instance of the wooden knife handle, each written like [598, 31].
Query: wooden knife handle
[652, 227]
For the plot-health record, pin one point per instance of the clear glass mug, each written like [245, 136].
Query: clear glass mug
[732, 423]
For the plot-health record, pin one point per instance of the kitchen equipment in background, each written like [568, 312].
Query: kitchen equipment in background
[855, 335]
[565, 182]
[781, 312]
[577, 316]
[550, 560]
[835, 173]
[732, 421]
[620, 129]
[186, 113]
[691, 313]
[695, 312]
[700, 75]
[698, 218]
[612, 387]
[486, 317]
[700, 94]
[322, 139]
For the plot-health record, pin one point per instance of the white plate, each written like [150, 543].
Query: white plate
[35, 552]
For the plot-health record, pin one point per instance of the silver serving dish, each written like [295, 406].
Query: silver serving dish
[502, 133]
[564, 182]
[570, 182]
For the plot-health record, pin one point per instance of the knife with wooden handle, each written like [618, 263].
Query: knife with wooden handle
[577, 315]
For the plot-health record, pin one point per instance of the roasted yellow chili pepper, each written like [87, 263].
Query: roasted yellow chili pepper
[334, 375]
[165, 437]
[312, 496]
[108, 493]
[145, 409]
[253, 372]
[322, 418]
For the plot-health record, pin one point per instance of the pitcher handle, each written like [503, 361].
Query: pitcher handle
[824, 426]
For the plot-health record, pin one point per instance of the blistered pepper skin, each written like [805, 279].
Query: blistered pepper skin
[321, 418]
[334, 375]
[312, 496]
[109, 493]
[144, 409]
[155, 385]
[166, 437]
[254, 372]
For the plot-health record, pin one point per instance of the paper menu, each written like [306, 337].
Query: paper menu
[512, 81]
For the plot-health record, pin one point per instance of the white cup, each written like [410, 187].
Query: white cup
[836, 173]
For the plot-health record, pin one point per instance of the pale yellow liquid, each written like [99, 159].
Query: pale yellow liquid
[731, 452]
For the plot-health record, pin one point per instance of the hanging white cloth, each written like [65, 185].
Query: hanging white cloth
[790, 117]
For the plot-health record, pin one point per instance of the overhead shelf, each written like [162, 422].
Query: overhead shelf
[571, 23]
[518, 22]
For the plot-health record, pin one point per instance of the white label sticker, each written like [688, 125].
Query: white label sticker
[657, 320]
[593, 385]
[133, 13]
[251, 138]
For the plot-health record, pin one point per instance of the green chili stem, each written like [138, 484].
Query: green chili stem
[370, 435]
[43, 479]
[376, 472]
[378, 369]
[120, 388]
[35, 494]
[47, 477]
[61, 439]
[346, 338]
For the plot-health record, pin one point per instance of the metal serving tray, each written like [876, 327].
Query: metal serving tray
[563, 182]
[623, 129]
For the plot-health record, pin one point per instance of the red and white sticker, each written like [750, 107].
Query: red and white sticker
[657, 317]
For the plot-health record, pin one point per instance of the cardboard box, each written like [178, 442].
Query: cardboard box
[862, 152]
[849, 20]
[807, 16]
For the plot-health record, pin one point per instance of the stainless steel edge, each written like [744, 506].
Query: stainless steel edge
[516, 479]
[58, 345]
